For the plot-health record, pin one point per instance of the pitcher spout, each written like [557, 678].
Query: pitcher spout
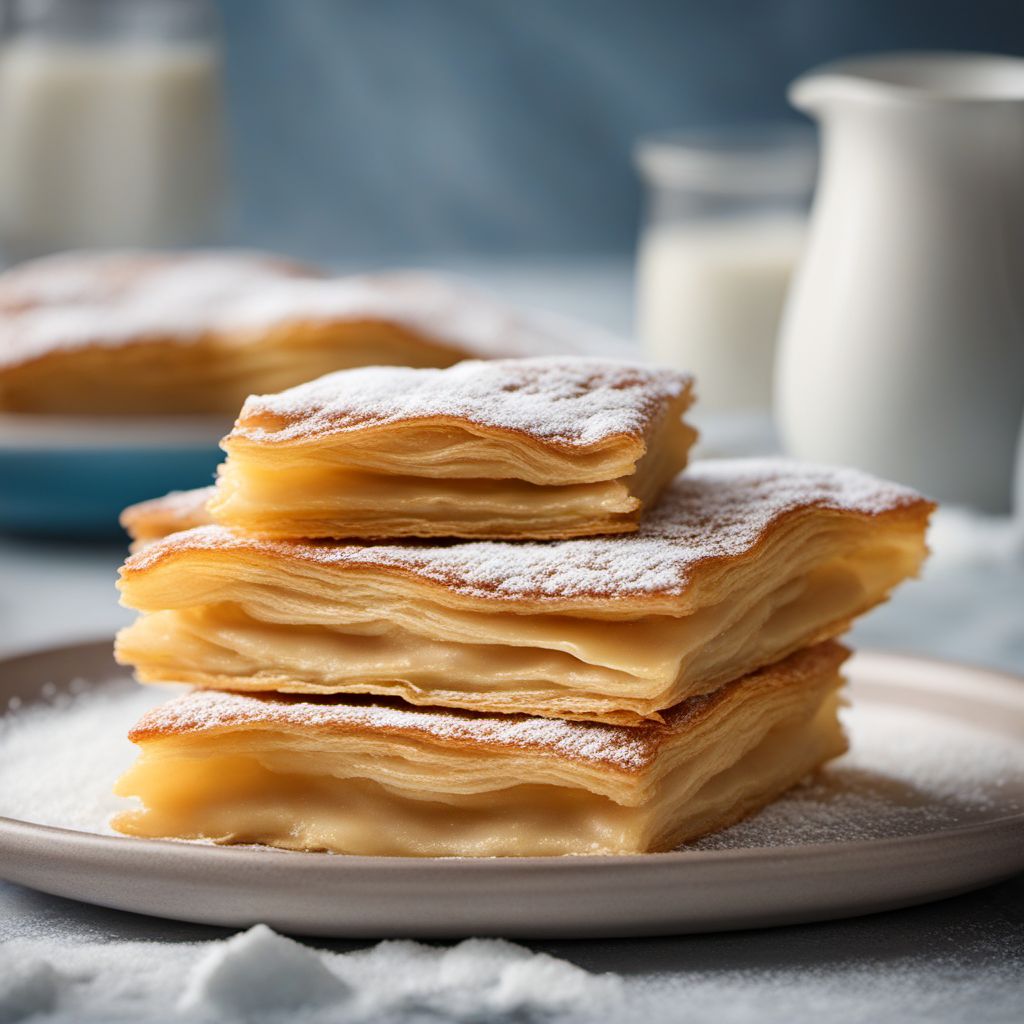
[912, 77]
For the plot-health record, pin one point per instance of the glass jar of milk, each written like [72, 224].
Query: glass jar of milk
[110, 124]
[725, 219]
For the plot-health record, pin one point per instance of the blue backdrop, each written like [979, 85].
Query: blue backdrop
[370, 130]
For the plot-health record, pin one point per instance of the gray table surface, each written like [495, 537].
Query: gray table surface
[951, 961]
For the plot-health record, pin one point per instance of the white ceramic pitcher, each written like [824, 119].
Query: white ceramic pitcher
[902, 345]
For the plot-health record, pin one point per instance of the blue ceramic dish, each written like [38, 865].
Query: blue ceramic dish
[69, 477]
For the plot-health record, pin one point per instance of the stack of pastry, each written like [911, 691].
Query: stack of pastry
[478, 611]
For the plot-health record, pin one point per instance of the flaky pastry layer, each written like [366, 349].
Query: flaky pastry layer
[386, 779]
[515, 449]
[740, 564]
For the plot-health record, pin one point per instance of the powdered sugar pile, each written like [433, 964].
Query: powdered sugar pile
[576, 402]
[260, 975]
[923, 968]
[260, 972]
[716, 509]
[28, 986]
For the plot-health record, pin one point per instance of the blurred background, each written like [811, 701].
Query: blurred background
[383, 130]
[367, 131]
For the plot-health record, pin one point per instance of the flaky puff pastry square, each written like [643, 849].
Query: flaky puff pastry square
[131, 333]
[515, 449]
[741, 563]
[388, 779]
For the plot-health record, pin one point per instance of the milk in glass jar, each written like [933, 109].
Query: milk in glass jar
[110, 124]
[724, 225]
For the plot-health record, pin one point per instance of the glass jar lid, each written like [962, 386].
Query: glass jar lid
[106, 21]
[777, 159]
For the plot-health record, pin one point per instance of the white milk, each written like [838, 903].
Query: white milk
[107, 144]
[709, 299]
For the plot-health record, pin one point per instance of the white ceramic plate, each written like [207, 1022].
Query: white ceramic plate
[692, 891]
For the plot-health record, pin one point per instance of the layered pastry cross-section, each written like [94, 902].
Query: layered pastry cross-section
[741, 563]
[382, 778]
[197, 332]
[517, 449]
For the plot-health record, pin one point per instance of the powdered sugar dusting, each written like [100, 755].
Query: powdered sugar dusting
[569, 401]
[716, 509]
[110, 301]
[626, 748]
[60, 757]
[907, 773]
[81, 299]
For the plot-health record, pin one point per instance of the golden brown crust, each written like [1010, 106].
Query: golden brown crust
[714, 519]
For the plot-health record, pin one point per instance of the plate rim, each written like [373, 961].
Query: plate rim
[58, 835]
